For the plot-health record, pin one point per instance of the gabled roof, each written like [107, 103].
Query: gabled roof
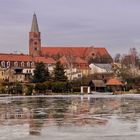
[107, 67]
[15, 57]
[98, 83]
[114, 82]
[75, 51]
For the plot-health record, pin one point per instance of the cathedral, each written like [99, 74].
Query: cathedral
[71, 57]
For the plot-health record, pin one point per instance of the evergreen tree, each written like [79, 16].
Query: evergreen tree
[59, 73]
[18, 88]
[41, 73]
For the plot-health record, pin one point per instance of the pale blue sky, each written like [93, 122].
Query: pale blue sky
[114, 24]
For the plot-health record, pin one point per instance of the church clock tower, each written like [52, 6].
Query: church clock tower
[34, 39]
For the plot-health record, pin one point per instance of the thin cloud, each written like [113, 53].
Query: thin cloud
[113, 24]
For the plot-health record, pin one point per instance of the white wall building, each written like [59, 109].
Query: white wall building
[100, 68]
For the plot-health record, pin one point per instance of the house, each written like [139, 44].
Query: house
[73, 74]
[100, 68]
[115, 84]
[97, 85]
[2, 73]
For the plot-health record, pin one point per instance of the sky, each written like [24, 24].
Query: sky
[113, 24]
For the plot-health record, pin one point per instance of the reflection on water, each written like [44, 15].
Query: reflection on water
[62, 118]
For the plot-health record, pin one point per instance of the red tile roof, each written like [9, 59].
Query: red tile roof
[15, 57]
[76, 51]
[25, 58]
[44, 60]
[80, 61]
[79, 54]
[113, 82]
[63, 60]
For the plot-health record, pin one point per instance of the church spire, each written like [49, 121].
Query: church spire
[34, 27]
[34, 39]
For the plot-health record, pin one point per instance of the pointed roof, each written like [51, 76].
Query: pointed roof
[113, 82]
[34, 27]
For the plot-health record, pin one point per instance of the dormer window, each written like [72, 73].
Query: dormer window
[28, 64]
[22, 64]
[3, 64]
[8, 64]
[32, 64]
[16, 64]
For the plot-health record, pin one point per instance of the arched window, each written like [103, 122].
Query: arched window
[22, 64]
[8, 64]
[32, 64]
[15, 64]
[3, 64]
[28, 64]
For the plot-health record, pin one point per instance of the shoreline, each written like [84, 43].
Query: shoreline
[88, 96]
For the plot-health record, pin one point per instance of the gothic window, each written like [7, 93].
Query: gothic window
[8, 64]
[22, 64]
[3, 64]
[28, 64]
[16, 64]
[32, 64]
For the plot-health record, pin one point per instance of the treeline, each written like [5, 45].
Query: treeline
[127, 67]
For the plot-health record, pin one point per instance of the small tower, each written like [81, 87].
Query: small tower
[34, 39]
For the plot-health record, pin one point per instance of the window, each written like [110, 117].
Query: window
[22, 64]
[8, 64]
[16, 64]
[3, 64]
[32, 64]
[28, 64]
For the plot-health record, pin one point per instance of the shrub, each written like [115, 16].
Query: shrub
[30, 89]
[40, 88]
[59, 87]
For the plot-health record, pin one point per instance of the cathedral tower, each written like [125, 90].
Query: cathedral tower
[34, 38]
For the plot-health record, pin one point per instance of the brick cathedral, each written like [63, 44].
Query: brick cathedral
[80, 57]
